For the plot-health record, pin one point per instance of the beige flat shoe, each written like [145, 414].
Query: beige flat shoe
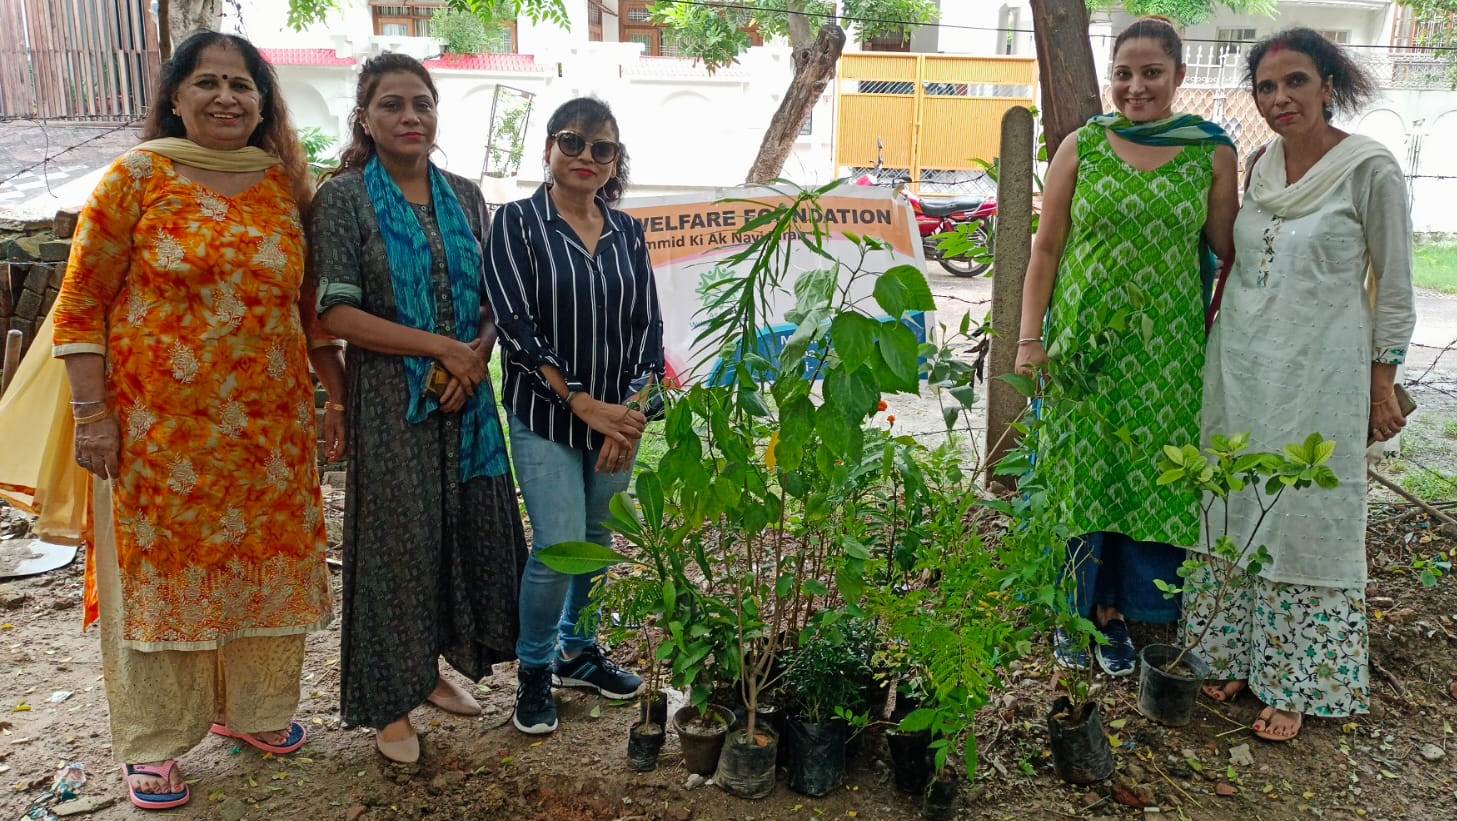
[404, 751]
[454, 700]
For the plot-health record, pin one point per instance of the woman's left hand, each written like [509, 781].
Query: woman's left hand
[336, 431]
[1386, 418]
[614, 458]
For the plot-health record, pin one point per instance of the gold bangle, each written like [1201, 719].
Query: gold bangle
[335, 406]
[95, 417]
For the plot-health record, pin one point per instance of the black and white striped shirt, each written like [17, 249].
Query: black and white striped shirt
[595, 318]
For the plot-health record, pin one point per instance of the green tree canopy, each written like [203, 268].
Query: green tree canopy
[1186, 11]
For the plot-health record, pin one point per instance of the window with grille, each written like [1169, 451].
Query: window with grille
[1338, 36]
[1233, 40]
[404, 21]
[1412, 35]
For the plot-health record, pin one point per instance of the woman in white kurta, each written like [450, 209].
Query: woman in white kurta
[1316, 317]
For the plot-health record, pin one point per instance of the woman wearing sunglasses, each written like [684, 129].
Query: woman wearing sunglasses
[582, 342]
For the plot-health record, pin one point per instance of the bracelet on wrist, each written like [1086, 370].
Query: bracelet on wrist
[334, 406]
[77, 403]
[93, 417]
[1029, 340]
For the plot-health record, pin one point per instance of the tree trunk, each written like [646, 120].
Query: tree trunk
[813, 68]
[176, 19]
[1065, 61]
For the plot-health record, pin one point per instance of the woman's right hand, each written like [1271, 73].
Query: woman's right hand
[464, 363]
[1031, 357]
[619, 423]
[98, 447]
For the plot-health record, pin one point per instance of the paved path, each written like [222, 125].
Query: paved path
[31, 191]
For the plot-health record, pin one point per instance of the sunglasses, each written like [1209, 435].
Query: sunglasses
[573, 144]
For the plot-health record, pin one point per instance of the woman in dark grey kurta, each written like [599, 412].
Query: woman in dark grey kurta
[431, 561]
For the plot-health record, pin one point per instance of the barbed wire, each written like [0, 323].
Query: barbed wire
[51, 157]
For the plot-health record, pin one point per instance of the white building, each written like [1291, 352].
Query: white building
[684, 127]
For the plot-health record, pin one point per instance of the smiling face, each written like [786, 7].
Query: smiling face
[1145, 78]
[219, 102]
[401, 117]
[581, 175]
[1290, 93]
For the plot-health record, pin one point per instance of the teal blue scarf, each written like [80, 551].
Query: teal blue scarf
[482, 447]
[1178, 130]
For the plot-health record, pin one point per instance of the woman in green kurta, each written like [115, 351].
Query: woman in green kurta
[1130, 199]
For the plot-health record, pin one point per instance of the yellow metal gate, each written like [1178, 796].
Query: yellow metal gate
[936, 115]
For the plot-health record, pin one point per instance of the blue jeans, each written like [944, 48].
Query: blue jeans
[1115, 571]
[566, 501]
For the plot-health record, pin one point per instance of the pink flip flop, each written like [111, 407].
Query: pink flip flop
[155, 800]
[297, 735]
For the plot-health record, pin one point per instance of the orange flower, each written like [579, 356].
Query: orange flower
[882, 406]
[890, 420]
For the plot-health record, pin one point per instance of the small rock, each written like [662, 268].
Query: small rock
[90, 803]
[16, 602]
[1381, 602]
[232, 810]
[1225, 790]
[56, 250]
[1128, 794]
[694, 782]
[1136, 772]
[355, 811]
[64, 225]
[1241, 756]
[1432, 752]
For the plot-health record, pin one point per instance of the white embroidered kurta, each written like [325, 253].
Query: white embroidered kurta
[1291, 355]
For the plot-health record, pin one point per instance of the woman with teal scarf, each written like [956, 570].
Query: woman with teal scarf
[1136, 205]
[433, 541]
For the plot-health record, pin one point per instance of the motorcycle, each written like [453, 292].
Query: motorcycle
[939, 217]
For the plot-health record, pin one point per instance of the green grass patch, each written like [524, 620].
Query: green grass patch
[1449, 430]
[1435, 267]
[1429, 485]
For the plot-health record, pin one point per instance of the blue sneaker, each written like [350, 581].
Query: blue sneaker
[593, 671]
[535, 711]
[1117, 657]
[1067, 653]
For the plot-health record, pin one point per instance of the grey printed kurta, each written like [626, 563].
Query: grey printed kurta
[431, 567]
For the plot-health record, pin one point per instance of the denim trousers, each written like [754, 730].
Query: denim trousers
[1116, 571]
[566, 501]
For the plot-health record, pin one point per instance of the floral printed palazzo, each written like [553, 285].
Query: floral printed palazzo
[1301, 648]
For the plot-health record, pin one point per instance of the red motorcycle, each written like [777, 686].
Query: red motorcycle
[943, 217]
[937, 217]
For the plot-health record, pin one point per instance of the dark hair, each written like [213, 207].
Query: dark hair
[275, 134]
[589, 114]
[361, 148]
[1351, 85]
[1154, 28]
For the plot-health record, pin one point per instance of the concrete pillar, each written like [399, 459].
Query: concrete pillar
[1011, 252]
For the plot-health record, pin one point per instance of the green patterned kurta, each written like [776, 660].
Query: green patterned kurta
[1142, 229]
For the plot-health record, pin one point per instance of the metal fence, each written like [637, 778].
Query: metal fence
[77, 59]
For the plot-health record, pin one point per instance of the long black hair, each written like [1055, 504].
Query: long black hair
[275, 134]
[1351, 85]
[361, 148]
[588, 114]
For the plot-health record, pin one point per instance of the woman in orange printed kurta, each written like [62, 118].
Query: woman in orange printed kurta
[213, 557]
[219, 527]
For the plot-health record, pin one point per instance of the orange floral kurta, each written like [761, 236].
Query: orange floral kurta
[195, 300]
